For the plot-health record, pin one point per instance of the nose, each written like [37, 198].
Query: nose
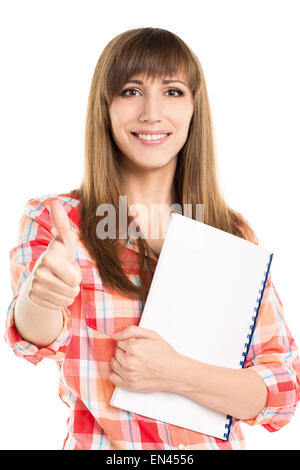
[151, 109]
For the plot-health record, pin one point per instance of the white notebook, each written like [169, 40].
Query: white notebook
[204, 300]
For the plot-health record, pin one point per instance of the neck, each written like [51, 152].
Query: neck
[148, 187]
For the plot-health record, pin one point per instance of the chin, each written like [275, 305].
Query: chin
[154, 164]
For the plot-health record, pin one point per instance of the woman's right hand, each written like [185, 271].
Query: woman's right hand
[56, 277]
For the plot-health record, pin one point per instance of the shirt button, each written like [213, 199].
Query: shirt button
[180, 446]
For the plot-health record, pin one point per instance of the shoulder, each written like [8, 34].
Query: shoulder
[240, 221]
[39, 208]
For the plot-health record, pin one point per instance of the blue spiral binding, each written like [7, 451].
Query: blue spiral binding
[250, 334]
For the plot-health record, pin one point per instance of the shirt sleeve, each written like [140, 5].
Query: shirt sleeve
[273, 355]
[35, 233]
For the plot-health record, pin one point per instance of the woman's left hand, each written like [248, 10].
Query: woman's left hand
[144, 361]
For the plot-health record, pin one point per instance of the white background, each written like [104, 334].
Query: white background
[249, 51]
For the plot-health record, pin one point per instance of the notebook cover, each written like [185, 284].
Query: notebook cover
[204, 300]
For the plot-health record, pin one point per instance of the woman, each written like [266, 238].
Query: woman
[78, 295]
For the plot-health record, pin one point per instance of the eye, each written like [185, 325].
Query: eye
[125, 92]
[128, 89]
[176, 91]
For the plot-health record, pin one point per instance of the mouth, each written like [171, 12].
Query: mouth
[151, 139]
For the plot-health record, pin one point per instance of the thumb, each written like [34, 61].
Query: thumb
[61, 223]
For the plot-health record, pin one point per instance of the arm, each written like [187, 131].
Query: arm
[35, 234]
[239, 393]
[138, 365]
[267, 390]
[274, 356]
[34, 323]
[269, 397]
[145, 362]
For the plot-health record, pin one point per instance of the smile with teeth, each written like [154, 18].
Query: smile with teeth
[150, 138]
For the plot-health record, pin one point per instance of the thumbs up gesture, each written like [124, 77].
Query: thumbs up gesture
[56, 277]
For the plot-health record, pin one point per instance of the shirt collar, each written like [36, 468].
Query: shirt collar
[132, 245]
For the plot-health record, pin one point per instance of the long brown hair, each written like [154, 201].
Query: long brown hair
[155, 53]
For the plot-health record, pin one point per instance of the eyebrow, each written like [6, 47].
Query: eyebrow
[164, 82]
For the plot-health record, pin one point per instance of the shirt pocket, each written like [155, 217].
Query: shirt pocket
[106, 312]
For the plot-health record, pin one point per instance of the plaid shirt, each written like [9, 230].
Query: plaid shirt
[84, 348]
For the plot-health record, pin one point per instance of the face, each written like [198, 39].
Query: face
[147, 105]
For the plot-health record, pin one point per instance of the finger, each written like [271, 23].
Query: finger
[61, 223]
[50, 296]
[35, 300]
[116, 367]
[125, 344]
[122, 345]
[52, 282]
[134, 331]
[68, 273]
[117, 380]
[120, 355]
